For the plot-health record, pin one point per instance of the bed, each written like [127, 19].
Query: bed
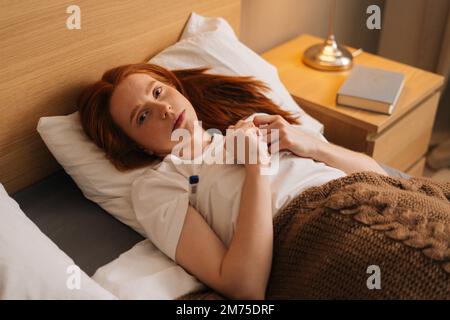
[61, 62]
[74, 223]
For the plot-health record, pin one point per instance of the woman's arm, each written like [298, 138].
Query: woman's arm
[249, 258]
[305, 145]
[241, 271]
[344, 159]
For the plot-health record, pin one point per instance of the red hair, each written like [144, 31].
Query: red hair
[218, 100]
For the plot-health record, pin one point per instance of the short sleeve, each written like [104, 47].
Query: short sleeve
[160, 201]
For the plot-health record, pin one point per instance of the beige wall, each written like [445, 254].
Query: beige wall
[267, 23]
[417, 32]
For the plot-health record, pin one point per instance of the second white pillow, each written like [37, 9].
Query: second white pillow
[32, 266]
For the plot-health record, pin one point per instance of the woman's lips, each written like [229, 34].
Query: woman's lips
[179, 120]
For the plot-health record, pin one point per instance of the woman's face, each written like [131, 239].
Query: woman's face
[147, 110]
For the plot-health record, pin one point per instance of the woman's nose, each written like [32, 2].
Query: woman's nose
[165, 110]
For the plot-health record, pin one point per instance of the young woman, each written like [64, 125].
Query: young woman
[222, 233]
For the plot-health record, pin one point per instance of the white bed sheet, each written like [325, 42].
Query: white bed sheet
[144, 272]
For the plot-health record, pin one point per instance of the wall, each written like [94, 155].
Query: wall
[267, 23]
[417, 32]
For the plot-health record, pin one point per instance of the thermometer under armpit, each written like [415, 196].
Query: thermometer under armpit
[193, 181]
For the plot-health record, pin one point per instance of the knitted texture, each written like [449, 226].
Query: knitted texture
[326, 238]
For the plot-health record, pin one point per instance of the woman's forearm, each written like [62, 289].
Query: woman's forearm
[344, 159]
[249, 257]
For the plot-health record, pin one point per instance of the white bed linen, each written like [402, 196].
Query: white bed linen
[144, 272]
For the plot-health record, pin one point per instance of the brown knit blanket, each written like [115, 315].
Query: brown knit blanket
[328, 236]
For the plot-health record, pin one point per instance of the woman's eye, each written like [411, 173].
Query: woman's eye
[142, 117]
[157, 92]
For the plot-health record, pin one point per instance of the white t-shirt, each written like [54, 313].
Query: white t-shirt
[161, 196]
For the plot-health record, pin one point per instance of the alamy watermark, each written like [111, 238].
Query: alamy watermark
[73, 281]
[74, 20]
[374, 280]
[374, 20]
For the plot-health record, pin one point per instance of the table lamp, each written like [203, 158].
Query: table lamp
[329, 55]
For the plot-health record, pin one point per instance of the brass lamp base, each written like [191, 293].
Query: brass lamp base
[328, 56]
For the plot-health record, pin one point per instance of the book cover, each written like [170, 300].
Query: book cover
[372, 89]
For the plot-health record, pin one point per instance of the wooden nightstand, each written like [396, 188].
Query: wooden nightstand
[399, 140]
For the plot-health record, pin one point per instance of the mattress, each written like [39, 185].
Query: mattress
[126, 264]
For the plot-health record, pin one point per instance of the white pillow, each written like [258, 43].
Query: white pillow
[86, 163]
[204, 42]
[32, 266]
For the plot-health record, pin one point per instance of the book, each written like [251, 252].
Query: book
[371, 89]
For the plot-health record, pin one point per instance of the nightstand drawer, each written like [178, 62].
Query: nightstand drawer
[404, 143]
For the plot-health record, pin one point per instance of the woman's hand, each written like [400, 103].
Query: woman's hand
[289, 137]
[256, 152]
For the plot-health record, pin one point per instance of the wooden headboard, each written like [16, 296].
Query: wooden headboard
[44, 65]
